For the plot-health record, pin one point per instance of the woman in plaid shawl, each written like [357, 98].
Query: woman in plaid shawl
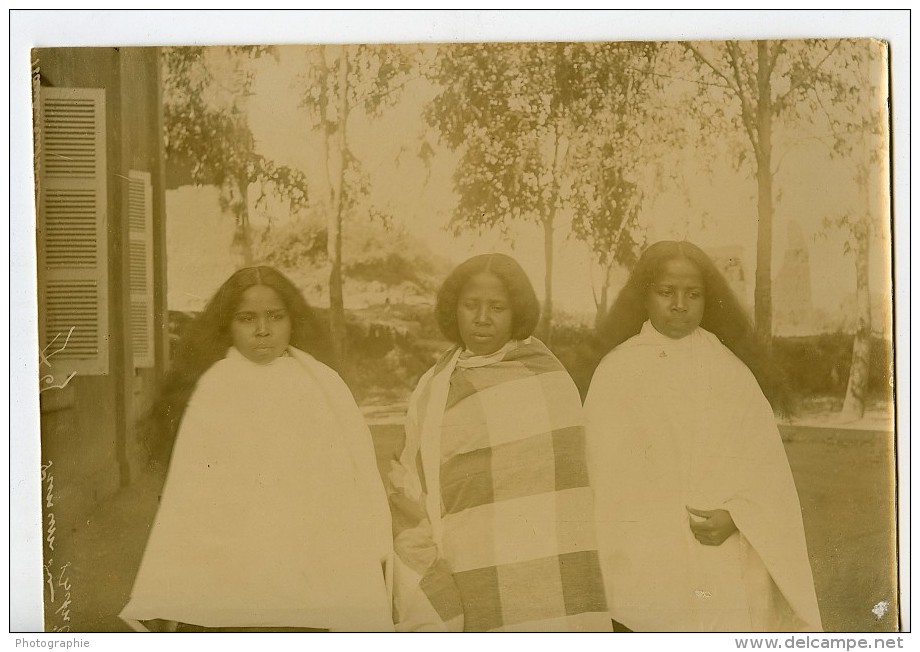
[492, 511]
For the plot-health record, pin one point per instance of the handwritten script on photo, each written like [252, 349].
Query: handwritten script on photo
[47, 381]
[57, 579]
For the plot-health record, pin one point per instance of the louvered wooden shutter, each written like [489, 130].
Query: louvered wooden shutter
[140, 218]
[72, 224]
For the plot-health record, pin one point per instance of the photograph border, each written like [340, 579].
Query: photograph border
[51, 28]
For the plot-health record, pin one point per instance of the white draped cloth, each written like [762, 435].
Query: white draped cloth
[678, 423]
[273, 513]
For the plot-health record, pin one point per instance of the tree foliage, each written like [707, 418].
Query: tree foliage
[545, 132]
[832, 88]
[206, 124]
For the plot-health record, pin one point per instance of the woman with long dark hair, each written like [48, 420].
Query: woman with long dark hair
[699, 523]
[208, 338]
[273, 515]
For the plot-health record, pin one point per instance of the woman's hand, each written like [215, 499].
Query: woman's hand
[711, 527]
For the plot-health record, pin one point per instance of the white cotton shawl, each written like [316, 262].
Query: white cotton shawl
[676, 423]
[273, 513]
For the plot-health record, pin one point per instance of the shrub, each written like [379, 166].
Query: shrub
[819, 365]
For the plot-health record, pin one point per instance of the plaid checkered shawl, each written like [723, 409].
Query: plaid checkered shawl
[513, 547]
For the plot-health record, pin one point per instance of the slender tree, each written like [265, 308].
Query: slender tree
[606, 217]
[623, 139]
[858, 118]
[338, 81]
[763, 83]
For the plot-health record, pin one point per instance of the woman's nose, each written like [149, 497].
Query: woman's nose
[680, 301]
[262, 326]
[482, 314]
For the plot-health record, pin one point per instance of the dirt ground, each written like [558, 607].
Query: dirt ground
[844, 478]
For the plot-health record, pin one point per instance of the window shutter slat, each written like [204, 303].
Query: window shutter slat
[72, 223]
[69, 134]
[140, 272]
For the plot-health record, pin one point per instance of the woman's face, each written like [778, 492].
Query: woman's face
[675, 299]
[484, 314]
[261, 325]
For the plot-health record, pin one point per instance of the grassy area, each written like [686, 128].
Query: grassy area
[845, 481]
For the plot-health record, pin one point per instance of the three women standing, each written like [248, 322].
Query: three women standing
[508, 512]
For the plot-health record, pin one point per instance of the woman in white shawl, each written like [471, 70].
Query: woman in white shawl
[273, 516]
[699, 522]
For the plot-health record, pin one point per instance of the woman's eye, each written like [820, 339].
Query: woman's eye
[244, 318]
[664, 292]
[498, 308]
[278, 316]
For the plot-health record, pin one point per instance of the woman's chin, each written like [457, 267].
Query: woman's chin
[483, 346]
[262, 355]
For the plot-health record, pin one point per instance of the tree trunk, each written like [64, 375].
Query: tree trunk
[603, 304]
[560, 145]
[235, 192]
[336, 161]
[546, 316]
[854, 405]
[601, 308]
[763, 150]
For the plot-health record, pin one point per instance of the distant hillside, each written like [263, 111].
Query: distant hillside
[382, 265]
[392, 266]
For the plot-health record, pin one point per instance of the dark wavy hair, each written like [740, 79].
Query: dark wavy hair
[208, 338]
[525, 308]
[723, 315]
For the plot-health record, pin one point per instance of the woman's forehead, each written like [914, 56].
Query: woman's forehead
[681, 270]
[260, 297]
[482, 283]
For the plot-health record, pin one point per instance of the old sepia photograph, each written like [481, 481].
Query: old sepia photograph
[551, 335]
